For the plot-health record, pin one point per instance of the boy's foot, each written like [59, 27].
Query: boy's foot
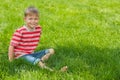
[43, 66]
[64, 69]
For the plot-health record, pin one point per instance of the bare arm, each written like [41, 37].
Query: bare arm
[11, 53]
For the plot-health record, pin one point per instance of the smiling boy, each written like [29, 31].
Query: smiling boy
[26, 39]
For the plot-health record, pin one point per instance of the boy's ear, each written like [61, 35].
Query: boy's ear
[24, 18]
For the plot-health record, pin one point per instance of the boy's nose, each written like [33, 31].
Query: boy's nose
[33, 21]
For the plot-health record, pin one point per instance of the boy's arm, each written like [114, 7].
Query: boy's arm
[11, 53]
[14, 42]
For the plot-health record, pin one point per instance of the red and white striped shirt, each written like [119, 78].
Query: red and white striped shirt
[24, 41]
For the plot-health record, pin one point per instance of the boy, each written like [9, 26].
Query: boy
[26, 39]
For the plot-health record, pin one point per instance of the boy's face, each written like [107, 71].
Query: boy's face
[31, 20]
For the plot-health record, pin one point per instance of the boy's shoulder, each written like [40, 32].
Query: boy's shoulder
[39, 27]
[21, 29]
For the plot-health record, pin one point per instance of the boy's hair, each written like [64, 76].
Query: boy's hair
[31, 10]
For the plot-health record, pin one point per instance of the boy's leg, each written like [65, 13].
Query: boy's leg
[48, 54]
[44, 54]
[45, 57]
[29, 58]
[42, 65]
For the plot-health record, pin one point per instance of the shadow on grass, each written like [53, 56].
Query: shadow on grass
[103, 64]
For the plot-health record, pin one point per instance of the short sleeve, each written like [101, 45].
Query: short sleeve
[16, 38]
[40, 29]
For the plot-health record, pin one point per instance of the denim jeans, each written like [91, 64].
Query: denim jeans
[35, 57]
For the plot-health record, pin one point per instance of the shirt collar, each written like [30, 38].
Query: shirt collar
[29, 29]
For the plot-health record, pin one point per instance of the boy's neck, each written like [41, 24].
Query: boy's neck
[29, 29]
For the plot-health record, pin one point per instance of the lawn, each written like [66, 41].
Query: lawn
[84, 33]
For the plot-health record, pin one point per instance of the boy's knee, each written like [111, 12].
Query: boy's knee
[51, 51]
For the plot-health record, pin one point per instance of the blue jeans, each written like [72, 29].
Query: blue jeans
[34, 58]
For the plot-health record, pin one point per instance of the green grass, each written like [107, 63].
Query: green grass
[84, 33]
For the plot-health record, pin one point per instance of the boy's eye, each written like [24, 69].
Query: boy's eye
[36, 18]
[30, 18]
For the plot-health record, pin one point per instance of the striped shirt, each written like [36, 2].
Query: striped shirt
[24, 41]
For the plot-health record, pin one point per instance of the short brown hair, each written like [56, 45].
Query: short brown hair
[31, 10]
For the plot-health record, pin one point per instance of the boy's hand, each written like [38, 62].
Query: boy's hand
[10, 59]
[11, 53]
